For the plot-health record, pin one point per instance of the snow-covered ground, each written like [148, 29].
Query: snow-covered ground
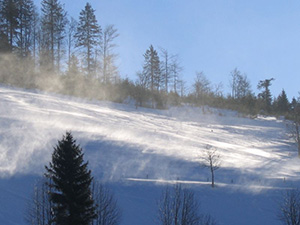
[137, 152]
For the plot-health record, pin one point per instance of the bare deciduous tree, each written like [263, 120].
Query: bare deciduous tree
[202, 87]
[218, 89]
[109, 70]
[179, 206]
[289, 209]
[175, 71]
[72, 25]
[165, 68]
[212, 161]
[107, 210]
[39, 207]
[170, 72]
[240, 85]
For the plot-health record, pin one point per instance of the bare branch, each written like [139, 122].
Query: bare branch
[212, 161]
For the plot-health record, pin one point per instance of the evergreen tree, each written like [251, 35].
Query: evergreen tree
[71, 184]
[87, 35]
[282, 104]
[265, 95]
[294, 104]
[151, 69]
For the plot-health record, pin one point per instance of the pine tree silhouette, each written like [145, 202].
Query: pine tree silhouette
[70, 184]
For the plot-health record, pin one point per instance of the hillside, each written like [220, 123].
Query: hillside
[138, 151]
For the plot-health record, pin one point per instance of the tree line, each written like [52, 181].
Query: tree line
[52, 51]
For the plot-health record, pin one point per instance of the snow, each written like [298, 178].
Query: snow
[137, 152]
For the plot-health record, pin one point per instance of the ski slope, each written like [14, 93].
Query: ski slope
[137, 152]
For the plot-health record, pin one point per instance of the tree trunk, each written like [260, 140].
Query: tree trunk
[212, 178]
[297, 137]
[298, 147]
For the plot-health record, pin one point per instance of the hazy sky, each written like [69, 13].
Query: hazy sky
[260, 38]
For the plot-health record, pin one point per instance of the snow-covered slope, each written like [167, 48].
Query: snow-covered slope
[138, 151]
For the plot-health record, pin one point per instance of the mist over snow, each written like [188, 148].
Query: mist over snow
[139, 151]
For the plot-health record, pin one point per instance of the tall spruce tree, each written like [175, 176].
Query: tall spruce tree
[151, 69]
[71, 184]
[87, 36]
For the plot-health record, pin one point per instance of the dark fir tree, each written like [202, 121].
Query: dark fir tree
[294, 104]
[87, 36]
[265, 96]
[282, 105]
[151, 69]
[71, 194]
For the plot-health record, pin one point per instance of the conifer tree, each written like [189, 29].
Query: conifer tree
[282, 103]
[265, 95]
[87, 36]
[151, 69]
[71, 194]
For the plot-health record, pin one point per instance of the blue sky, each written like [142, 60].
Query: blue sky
[260, 38]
